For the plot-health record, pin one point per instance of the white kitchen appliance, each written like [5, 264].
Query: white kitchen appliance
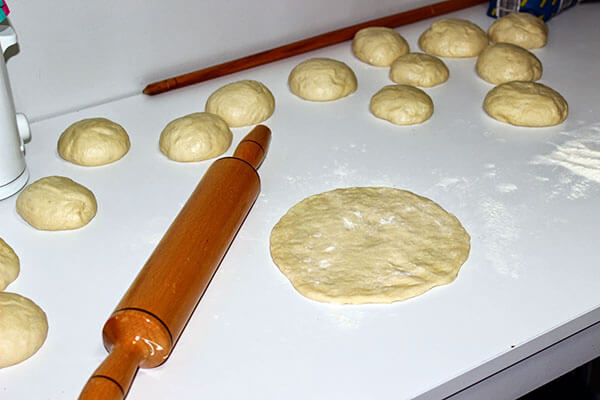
[14, 128]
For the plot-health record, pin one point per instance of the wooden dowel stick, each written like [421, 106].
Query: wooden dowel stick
[303, 46]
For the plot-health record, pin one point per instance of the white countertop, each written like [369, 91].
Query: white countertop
[529, 198]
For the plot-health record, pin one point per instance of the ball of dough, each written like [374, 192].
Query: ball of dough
[402, 105]
[452, 37]
[526, 104]
[368, 245]
[9, 264]
[56, 203]
[419, 69]
[93, 141]
[519, 28]
[378, 46]
[23, 328]
[242, 103]
[322, 79]
[505, 62]
[195, 137]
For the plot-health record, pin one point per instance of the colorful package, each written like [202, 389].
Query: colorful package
[4, 11]
[544, 9]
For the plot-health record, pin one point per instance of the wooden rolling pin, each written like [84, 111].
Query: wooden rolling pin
[146, 324]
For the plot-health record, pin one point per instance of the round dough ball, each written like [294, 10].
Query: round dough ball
[526, 104]
[451, 37]
[56, 203]
[93, 141]
[378, 46]
[419, 69]
[402, 105]
[9, 265]
[23, 328]
[242, 103]
[322, 79]
[195, 137]
[519, 28]
[368, 245]
[505, 62]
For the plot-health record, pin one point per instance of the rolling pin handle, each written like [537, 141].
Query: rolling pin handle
[134, 338]
[111, 381]
[254, 146]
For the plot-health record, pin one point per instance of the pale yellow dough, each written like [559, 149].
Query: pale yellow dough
[378, 46]
[402, 105]
[519, 28]
[93, 141]
[451, 37]
[505, 62]
[322, 79]
[242, 103]
[526, 104]
[9, 265]
[56, 203]
[368, 245]
[195, 137]
[419, 69]
[23, 328]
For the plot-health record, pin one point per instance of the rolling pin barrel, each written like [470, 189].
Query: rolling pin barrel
[147, 322]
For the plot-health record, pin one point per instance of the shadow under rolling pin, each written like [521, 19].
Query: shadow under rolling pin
[146, 324]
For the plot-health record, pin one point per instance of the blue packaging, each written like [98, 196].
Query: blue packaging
[544, 9]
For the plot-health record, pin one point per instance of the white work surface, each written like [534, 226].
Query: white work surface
[529, 198]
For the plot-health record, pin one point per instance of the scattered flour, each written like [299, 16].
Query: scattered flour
[506, 187]
[345, 319]
[579, 157]
[500, 235]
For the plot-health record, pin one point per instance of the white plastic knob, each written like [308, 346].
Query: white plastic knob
[8, 37]
[23, 128]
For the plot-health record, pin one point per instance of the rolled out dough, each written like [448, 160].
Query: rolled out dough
[368, 245]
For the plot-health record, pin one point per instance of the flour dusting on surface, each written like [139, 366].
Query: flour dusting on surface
[506, 187]
[579, 156]
[501, 233]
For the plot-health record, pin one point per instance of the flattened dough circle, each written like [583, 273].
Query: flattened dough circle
[368, 245]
